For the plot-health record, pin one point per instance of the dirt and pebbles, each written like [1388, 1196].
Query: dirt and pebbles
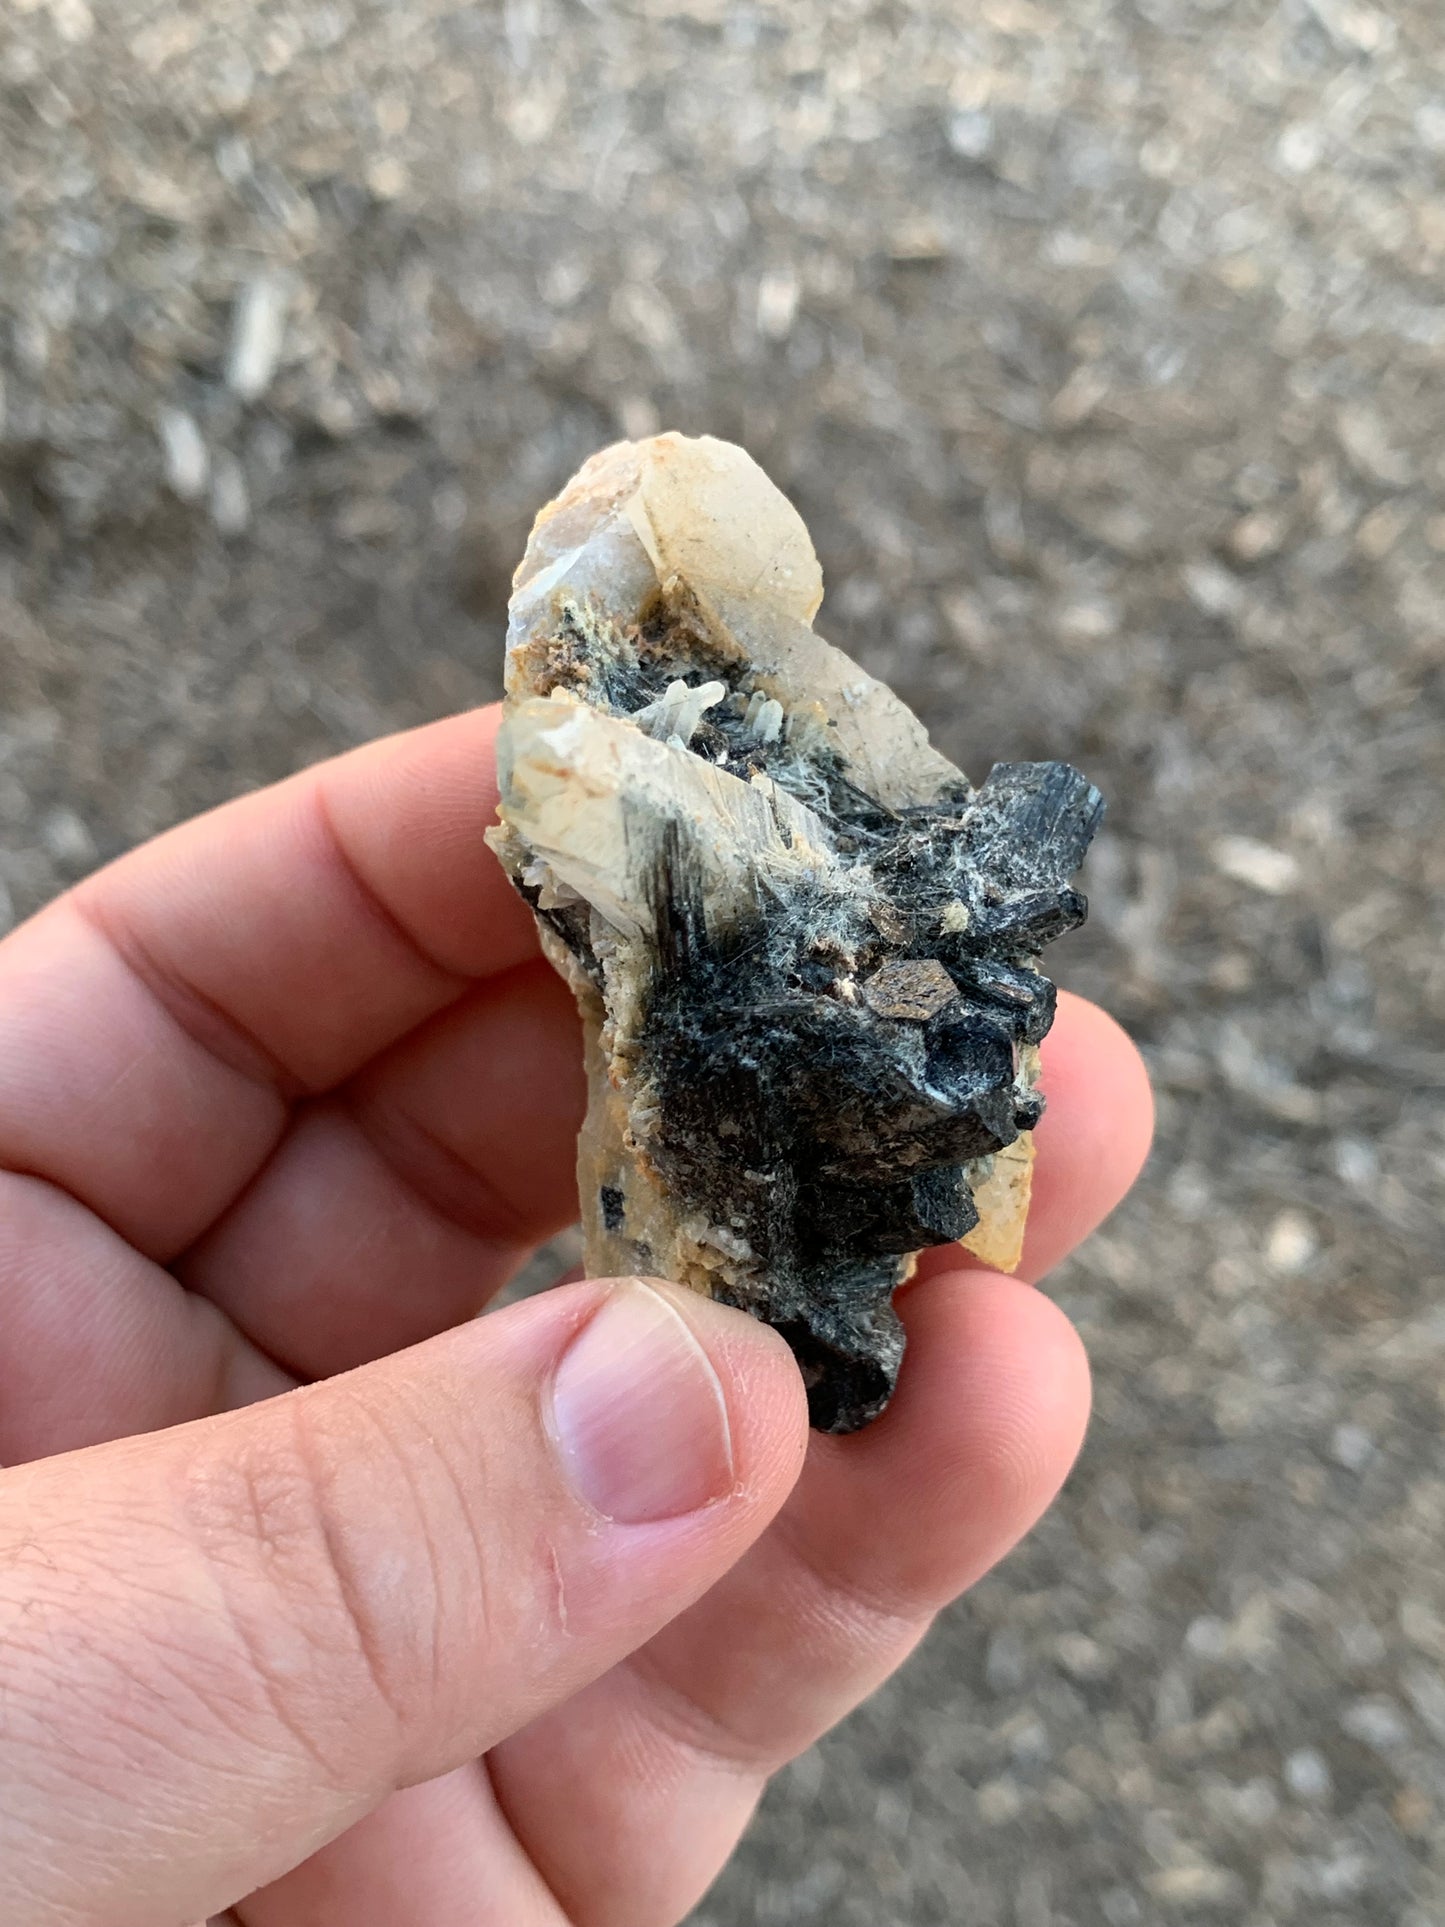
[1103, 347]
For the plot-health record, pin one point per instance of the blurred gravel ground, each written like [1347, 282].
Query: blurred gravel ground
[1103, 347]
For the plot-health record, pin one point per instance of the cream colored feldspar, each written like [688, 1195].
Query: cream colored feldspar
[695, 530]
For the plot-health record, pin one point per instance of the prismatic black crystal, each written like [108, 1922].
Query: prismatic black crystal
[805, 948]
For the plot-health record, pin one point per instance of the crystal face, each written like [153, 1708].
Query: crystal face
[804, 946]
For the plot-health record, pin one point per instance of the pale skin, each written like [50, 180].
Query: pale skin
[323, 1601]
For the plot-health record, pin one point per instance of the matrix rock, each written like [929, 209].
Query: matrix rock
[804, 947]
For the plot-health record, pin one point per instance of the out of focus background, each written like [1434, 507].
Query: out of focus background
[1102, 345]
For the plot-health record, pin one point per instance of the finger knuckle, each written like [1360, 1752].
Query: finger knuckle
[323, 1556]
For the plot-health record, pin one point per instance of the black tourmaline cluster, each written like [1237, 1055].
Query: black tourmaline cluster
[826, 1082]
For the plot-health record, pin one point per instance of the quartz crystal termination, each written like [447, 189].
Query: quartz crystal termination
[804, 947]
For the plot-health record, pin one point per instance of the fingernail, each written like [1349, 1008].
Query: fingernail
[638, 1414]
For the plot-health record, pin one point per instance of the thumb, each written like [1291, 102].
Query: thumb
[222, 1644]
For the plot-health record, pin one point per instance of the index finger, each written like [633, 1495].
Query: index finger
[158, 1020]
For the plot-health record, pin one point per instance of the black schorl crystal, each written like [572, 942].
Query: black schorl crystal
[804, 946]
[833, 1134]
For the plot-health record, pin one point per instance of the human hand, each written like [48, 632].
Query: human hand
[494, 1621]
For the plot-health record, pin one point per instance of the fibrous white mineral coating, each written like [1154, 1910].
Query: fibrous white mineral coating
[694, 523]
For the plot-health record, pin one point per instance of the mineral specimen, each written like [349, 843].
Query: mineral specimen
[805, 948]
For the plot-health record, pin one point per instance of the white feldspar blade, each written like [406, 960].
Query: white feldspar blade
[586, 786]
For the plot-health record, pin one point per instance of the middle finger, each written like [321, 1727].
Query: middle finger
[398, 1205]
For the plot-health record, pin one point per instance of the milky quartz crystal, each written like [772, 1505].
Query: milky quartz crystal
[804, 947]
